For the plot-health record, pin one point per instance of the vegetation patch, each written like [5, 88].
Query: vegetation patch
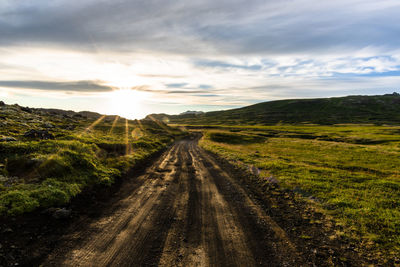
[235, 138]
[85, 150]
[356, 183]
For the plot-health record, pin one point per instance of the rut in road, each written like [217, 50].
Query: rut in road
[184, 211]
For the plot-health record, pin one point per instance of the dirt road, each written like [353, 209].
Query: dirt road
[185, 210]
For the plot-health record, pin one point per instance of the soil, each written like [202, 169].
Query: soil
[188, 208]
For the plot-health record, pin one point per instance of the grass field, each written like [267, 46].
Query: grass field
[79, 152]
[378, 109]
[351, 171]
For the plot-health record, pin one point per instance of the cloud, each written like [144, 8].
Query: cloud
[205, 86]
[176, 85]
[203, 27]
[209, 53]
[75, 86]
[208, 95]
[225, 65]
[186, 92]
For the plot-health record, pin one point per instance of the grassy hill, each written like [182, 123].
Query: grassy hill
[48, 156]
[380, 109]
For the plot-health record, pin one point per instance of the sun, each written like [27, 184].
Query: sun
[127, 103]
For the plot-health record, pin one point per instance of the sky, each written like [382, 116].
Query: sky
[132, 58]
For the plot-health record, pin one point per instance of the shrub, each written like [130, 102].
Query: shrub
[17, 202]
[50, 196]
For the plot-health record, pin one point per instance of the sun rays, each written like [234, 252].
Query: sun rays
[129, 148]
[159, 123]
[128, 133]
[113, 124]
[91, 126]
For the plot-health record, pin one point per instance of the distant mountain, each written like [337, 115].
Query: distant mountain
[379, 109]
[190, 112]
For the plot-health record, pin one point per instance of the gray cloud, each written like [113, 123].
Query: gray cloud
[74, 86]
[208, 95]
[225, 65]
[205, 86]
[207, 27]
[176, 85]
[186, 92]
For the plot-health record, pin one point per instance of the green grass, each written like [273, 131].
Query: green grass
[353, 171]
[380, 109]
[45, 173]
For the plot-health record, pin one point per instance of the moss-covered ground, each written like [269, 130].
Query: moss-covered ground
[351, 171]
[77, 152]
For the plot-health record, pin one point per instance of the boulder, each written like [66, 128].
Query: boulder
[47, 125]
[62, 213]
[41, 134]
[254, 170]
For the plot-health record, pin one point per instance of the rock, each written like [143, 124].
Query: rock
[271, 180]
[47, 125]
[70, 127]
[49, 211]
[312, 198]
[62, 213]
[7, 139]
[8, 230]
[41, 134]
[26, 109]
[254, 170]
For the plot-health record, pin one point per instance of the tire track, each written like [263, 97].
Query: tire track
[184, 211]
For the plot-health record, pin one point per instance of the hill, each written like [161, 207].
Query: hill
[49, 156]
[379, 109]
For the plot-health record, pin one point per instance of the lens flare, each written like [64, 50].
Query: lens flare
[129, 149]
[113, 124]
[91, 126]
[159, 123]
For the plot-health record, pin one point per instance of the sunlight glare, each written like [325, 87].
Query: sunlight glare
[113, 124]
[127, 103]
[3, 93]
[91, 126]
[128, 145]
